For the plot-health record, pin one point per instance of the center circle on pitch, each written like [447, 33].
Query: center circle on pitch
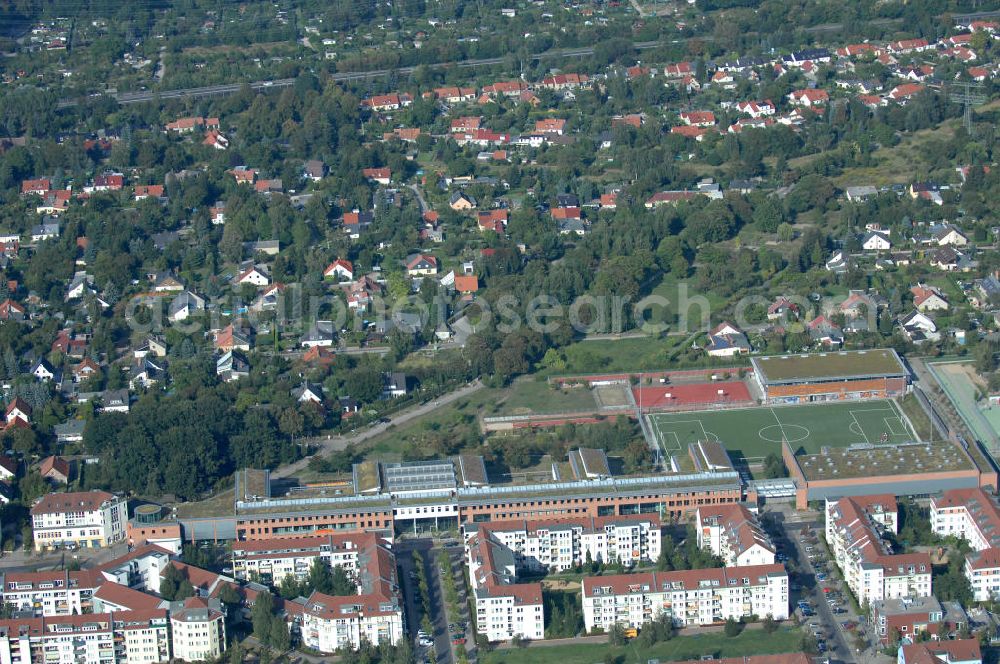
[791, 433]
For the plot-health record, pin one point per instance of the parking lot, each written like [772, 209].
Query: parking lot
[817, 594]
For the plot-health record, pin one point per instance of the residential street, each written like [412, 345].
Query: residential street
[795, 543]
[404, 549]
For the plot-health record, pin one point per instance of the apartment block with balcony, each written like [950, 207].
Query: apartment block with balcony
[83, 519]
[688, 598]
[133, 637]
[559, 544]
[272, 560]
[498, 552]
[374, 615]
[505, 609]
[49, 594]
[198, 629]
[969, 514]
[972, 515]
[733, 533]
[854, 532]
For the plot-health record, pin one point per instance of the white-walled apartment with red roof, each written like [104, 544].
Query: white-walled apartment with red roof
[972, 515]
[689, 598]
[854, 528]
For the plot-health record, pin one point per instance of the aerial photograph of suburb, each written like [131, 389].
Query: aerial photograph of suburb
[500, 331]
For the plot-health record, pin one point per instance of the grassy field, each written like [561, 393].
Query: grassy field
[750, 642]
[529, 396]
[453, 419]
[757, 432]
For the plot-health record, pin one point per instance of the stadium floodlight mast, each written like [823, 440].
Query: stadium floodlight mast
[968, 94]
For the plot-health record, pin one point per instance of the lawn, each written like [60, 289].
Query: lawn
[454, 419]
[756, 432]
[529, 396]
[750, 642]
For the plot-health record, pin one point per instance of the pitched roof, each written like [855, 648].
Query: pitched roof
[60, 503]
[54, 463]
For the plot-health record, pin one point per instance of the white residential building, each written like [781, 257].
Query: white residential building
[733, 533]
[504, 608]
[135, 637]
[85, 519]
[374, 615]
[274, 559]
[872, 571]
[969, 514]
[559, 544]
[497, 552]
[198, 629]
[330, 623]
[972, 515]
[688, 598]
[49, 594]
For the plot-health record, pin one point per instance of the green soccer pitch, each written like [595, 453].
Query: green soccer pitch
[757, 432]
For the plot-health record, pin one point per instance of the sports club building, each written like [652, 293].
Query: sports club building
[859, 374]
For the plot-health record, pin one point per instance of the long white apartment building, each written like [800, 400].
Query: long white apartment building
[688, 598]
[733, 533]
[83, 519]
[127, 637]
[559, 544]
[272, 560]
[972, 515]
[374, 615]
[854, 528]
[498, 552]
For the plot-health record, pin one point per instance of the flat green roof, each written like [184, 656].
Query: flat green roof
[878, 460]
[875, 363]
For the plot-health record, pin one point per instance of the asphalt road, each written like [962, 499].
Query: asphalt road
[329, 444]
[442, 651]
[840, 649]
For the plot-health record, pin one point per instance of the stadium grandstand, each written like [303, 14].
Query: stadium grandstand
[859, 374]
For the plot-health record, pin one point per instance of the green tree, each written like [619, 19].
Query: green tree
[170, 582]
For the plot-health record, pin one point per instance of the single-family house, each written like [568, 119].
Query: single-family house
[460, 201]
[185, 305]
[11, 310]
[115, 401]
[319, 334]
[382, 176]
[393, 384]
[809, 97]
[230, 338]
[421, 265]
[919, 328]
[726, 340]
[70, 431]
[928, 298]
[17, 410]
[876, 241]
[314, 170]
[255, 275]
[308, 393]
[340, 269]
[54, 469]
[232, 365]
